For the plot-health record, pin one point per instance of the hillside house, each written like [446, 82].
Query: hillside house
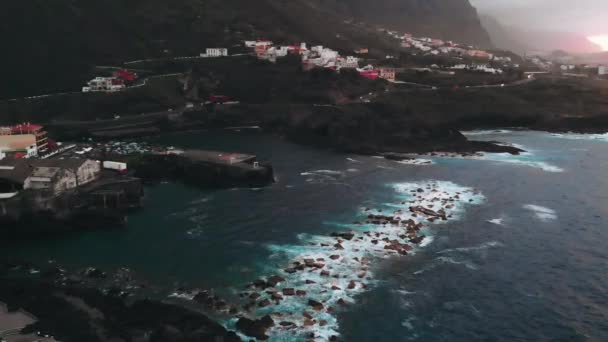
[349, 62]
[215, 52]
[104, 84]
[479, 54]
[387, 74]
[125, 75]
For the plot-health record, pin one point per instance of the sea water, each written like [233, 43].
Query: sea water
[523, 257]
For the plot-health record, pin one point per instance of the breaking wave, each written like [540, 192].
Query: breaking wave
[542, 213]
[327, 273]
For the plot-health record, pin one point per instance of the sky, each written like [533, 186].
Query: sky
[588, 17]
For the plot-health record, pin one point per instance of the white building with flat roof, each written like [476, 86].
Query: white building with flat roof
[215, 52]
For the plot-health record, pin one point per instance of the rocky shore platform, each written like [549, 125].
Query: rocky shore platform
[302, 298]
[74, 313]
[200, 168]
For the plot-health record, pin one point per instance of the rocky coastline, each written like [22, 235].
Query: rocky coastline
[72, 312]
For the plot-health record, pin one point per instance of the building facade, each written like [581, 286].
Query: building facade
[215, 52]
[59, 175]
[388, 74]
[104, 84]
[27, 139]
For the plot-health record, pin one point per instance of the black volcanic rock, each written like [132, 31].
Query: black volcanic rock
[85, 314]
[255, 328]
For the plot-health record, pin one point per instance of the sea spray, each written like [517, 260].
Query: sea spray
[324, 274]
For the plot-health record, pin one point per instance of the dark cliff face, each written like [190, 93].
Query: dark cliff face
[447, 19]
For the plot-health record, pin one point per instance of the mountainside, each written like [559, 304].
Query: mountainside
[447, 19]
[56, 47]
[523, 40]
[502, 37]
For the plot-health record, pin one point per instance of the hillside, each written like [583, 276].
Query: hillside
[447, 19]
[56, 47]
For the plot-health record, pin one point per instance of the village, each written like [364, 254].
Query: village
[41, 179]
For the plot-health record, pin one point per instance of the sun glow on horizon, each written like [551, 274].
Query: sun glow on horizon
[602, 41]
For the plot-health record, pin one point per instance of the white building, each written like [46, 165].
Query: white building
[60, 175]
[486, 69]
[348, 62]
[2, 155]
[104, 84]
[215, 52]
[602, 70]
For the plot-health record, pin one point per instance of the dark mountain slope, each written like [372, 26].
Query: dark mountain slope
[52, 45]
[447, 19]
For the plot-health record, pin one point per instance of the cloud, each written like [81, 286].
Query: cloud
[582, 16]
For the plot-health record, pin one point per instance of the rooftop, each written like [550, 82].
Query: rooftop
[14, 170]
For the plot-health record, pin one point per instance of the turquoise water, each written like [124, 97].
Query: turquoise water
[536, 273]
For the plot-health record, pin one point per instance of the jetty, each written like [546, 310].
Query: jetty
[202, 168]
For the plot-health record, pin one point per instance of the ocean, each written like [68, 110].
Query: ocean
[522, 258]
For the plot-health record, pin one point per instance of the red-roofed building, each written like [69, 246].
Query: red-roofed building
[370, 74]
[125, 75]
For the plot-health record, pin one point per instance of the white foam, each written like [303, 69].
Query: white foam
[443, 260]
[353, 160]
[497, 221]
[483, 246]
[322, 172]
[427, 241]
[542, 213]
[517, 160]
[577, 136]
[486, 132]
[407, 323]
[416, 162]
[355, 262]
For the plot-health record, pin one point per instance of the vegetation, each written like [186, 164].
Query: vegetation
[61, 41]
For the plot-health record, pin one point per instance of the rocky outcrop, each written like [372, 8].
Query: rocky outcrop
[71, 313]
[255, 328]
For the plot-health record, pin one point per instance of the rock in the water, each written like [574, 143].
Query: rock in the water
[275, 280]
[315, 305]
[255, 328]
[289, 291]
[264, 303]
[345, 236]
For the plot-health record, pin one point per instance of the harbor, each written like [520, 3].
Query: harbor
[68, 186]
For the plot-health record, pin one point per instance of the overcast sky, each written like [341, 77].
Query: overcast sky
[589, 17]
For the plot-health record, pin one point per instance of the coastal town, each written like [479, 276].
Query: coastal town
[303, 170]
[100, 180]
